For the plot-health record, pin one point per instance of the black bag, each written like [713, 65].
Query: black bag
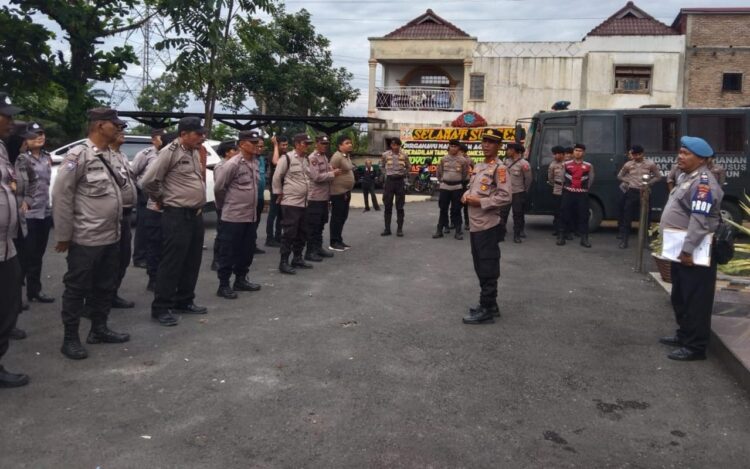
[723, 243]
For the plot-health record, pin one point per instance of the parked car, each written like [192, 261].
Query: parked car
[135, 143]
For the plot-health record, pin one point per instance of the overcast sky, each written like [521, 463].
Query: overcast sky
[348, 24]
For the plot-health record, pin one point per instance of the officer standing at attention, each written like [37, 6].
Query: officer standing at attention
[578, 179]
[693, 206]
[226, 151]
[10, 267]
[319, 193]
[341, 191]
[631, 175]
[236, 190]
[129, 198]
[520, 181]
[489, 191]
[176, 182]
[452, 170]
[395, 165]
[290, 184]
[273, 220]
[34, 172]
[138, 166]
[555, 179]
[367, 180]
[87, 211]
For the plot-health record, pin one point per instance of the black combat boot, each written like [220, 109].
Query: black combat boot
[312, 255]
[226, 292]
[400, 230]
[585, 241]
[71, 346]
[284, 266]
[517, 238]
[561, 238]
[459, 234]
[323, 252]
[101, 334]
[387, 230]
[623, 242]
[438, 233]
[494, 309]
[482, 315]
[299, 262]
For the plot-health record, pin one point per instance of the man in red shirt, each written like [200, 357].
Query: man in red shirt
[578, 177]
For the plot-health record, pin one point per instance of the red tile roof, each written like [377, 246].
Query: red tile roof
[632, 21]
[428, 26]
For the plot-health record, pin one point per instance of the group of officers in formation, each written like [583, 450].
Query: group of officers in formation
[97, 188]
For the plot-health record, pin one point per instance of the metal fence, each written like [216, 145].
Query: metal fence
[419, 98]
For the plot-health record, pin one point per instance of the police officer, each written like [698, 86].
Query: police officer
[674, 174]
[263, 169]
[236, 190]
[273, 220]
[395, 165]
[520, 181]
[138, 166]
[226, 151]
[470, 162]
[631, 175]
[452, 170]
[693, 206]
[718, 171]
[34, 171]
[129, 199]
[555, 180]
[10, 267]
[578, 179]
[370, 174]
[290, 184]
[489, 190]
[320, 175]
[341, 191]
[176, 181]
[87, 212]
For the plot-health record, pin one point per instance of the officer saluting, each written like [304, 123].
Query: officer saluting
[693, 206]
[395, 165]
[175, 180]
[87, 212]
[489, 190]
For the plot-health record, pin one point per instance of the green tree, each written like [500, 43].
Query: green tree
[164, 94]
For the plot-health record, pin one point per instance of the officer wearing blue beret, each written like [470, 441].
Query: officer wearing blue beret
[693, 206]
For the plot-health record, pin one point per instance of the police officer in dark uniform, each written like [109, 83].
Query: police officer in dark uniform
[693, 207]
[10, 267]
[87, 212]
[489, 191]
[176, 181]
[129, 199]
[395, 166]
[138, 166]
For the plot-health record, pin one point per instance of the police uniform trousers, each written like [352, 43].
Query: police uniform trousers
[152, 229]
[575, 211]
[10, 299]
[518, 206]
[368, 191]
[339, 215]
[259, 209]
[450, 199]
[90, 282]
[394, 188]
[630, 205]
[317, 217]
[294, 230]
[236, 250]
[485, 251]
[557, 223]
[693, 302]
[273, 220]
[126, 238]
[466, 207]
[217, 243]
[34, 246]
[182, 250]
[140, 238]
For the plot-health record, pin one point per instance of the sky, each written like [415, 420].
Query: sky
[349, 23]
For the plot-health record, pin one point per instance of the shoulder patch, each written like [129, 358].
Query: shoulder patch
[501, 174]
[702, 199]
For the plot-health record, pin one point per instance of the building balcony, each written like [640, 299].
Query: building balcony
[419, 98]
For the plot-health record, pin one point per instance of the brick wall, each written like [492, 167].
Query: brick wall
[708, 57]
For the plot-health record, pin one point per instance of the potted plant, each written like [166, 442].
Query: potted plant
[657, 240]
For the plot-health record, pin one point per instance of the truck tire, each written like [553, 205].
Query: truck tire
[596, 214]
[731, 211]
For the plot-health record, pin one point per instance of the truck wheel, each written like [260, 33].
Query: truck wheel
[596, 214]
[731, 211]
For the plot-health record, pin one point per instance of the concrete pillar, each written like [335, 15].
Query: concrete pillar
[467, 84]
[372, 93]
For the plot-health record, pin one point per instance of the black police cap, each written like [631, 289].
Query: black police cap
[104, 114]
[33, 130]
[190, 124]
[636, 149]
[557, 149]
[250, 135]
[6, 106]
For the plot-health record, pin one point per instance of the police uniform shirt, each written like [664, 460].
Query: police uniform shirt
[236, 188]
[86, 198]
[35, 175]
[555, 176]
[120, 164]
[694, 205]
[520, 174]
[290, 179]
[321, 174]
[452, 171]
[394, 164]
[175, 178]
[632, 172]
[8, 207]
[489, 182]
[719, 172]
[674, 173]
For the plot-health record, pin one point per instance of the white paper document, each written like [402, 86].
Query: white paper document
[672, 247]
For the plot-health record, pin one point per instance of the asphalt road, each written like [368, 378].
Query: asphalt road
[364, 362]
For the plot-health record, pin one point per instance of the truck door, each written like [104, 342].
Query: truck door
[541, 157]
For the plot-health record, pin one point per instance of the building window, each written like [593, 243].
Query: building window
[732, 82]
[655, 134]
[630, 79]
[434, 80]
[476, 88]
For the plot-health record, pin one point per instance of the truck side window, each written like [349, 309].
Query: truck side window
[654, 134]
[554, 136]
[599, 134]
[724, 134]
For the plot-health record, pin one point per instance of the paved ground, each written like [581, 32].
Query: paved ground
[364, 362]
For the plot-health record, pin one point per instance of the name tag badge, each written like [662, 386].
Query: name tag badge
[685, 185]
[96, 176]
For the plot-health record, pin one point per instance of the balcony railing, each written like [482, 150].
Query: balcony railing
[420, 98]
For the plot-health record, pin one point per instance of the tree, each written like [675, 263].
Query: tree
[163, 94]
